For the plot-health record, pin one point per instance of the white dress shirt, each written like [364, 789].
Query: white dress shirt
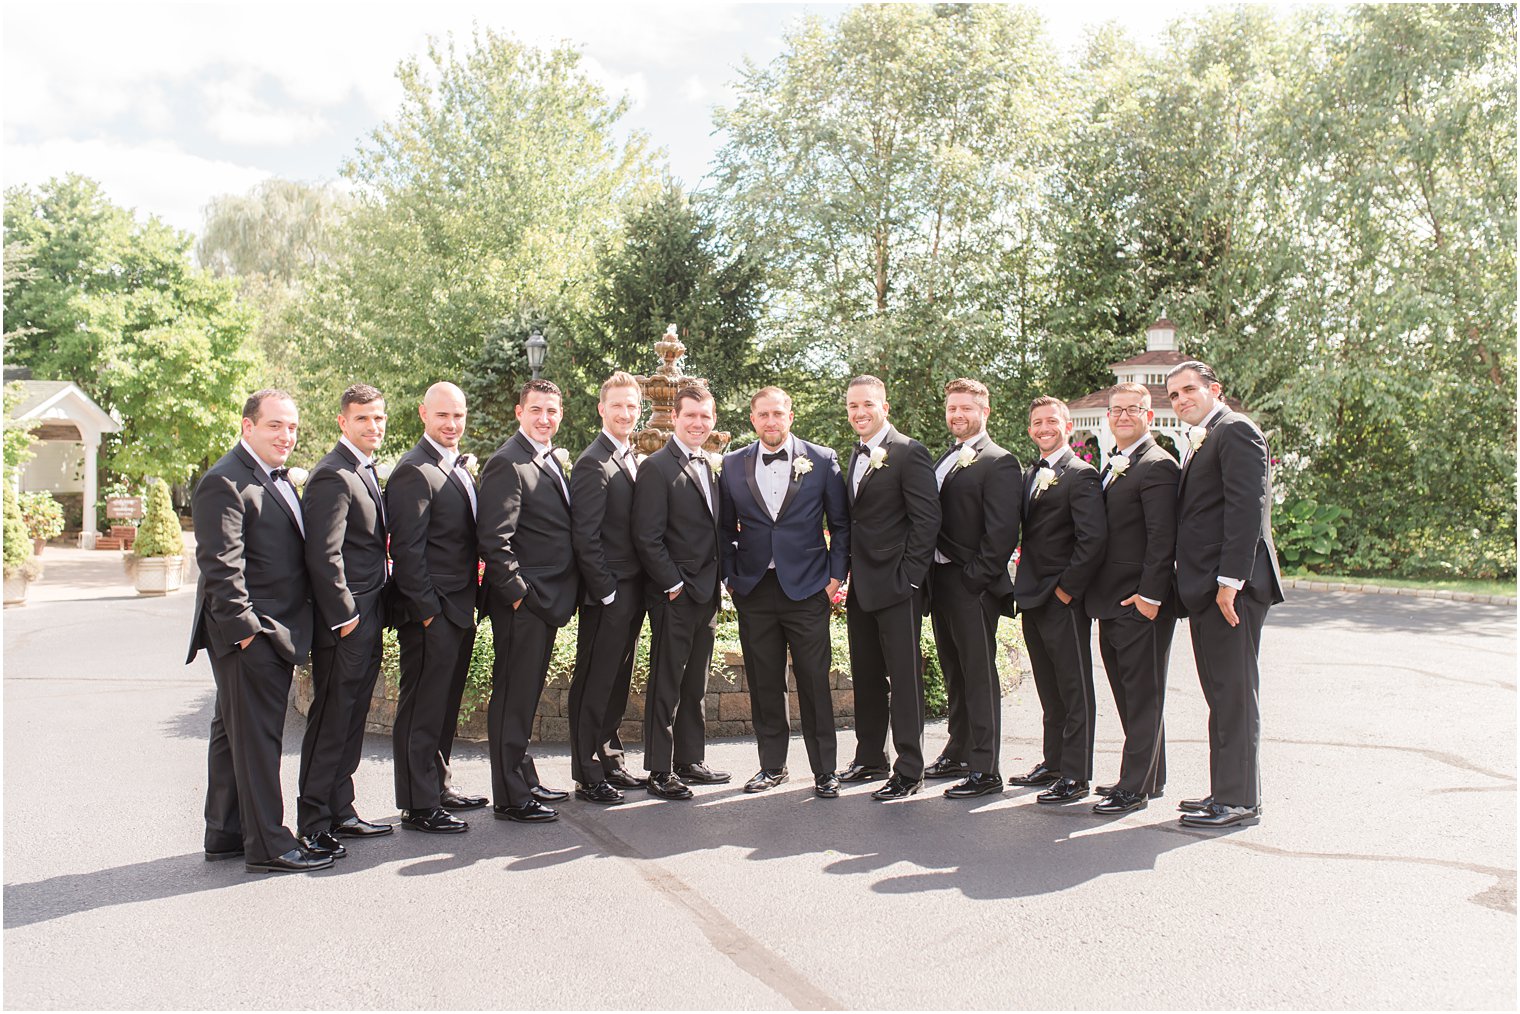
[450, 461]
[283, 485]
[863, 461]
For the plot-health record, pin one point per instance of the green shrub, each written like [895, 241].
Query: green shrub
[18, 542]
[43, 515]
[1306, 533]
[159, 534]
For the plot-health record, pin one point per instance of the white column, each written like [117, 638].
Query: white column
[91, 491]
[1105, 440]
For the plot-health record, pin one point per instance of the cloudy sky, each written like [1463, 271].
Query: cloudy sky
[171, 104]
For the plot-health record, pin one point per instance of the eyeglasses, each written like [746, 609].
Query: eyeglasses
[1133, 411]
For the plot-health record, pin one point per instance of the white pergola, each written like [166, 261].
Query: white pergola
[65, 444]
[1089, 413]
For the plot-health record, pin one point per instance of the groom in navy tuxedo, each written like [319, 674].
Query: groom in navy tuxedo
[785, 543]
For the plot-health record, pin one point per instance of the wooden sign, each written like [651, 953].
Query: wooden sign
[121, 507]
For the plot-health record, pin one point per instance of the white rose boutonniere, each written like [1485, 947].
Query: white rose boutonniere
[1118, 465]
[298, 476]
[965, 458]
[383, 470]
[878, 458]
[801, 465]
[470, 463]
[563, 457]
[715, 462]
[1196, 436]
[1043, 480]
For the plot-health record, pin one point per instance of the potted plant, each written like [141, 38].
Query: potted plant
[21, 567]
[159, 550]
[43, 515]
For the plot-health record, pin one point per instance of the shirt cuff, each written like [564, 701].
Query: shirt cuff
[607, 600]
[1232, 582]
[676, 587]
[1142, 598]
[340, 626]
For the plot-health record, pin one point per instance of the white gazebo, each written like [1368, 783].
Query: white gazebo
[1089, 413]
[67, 426]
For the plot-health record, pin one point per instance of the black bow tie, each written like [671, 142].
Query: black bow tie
[778, 456]
[1113, 451]
[862, 449]
[279, 473]
[463, 461]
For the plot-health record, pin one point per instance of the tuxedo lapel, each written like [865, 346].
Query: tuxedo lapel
[977, 446]
[613, 455]
[872, 471]
[690, 468]
[370, 487]
[794, 479]
[849, 476]
[271, 488]
[751, 465]
[557, 479]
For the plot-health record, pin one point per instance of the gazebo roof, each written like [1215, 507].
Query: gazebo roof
[62, 399]
[1158, 357]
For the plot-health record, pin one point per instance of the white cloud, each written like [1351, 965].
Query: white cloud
[694, 90]
[154, 178]
[238, 116]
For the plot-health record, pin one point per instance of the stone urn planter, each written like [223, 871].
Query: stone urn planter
[158, 575]
[15, 588]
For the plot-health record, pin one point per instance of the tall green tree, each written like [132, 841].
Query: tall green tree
[117, 307]
[887, 170]
[482, 199]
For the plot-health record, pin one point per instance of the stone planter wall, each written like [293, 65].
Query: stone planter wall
[727, 707]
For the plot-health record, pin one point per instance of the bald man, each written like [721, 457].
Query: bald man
[430, 504]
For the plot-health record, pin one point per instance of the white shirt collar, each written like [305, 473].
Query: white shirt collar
[1125, 450]
[682, 445]
[364, 459]
[617, 445]
[1052, 460]
[881, 435]
[789, 445]
[266, 466]
[448, 456]
[1216, 413]
[538, 449]
[973, 438]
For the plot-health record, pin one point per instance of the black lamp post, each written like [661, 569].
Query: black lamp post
[536, 347]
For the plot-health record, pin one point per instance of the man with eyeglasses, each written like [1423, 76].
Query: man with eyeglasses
[1131, 596]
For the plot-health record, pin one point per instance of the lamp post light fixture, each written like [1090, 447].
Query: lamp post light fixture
[536, 346]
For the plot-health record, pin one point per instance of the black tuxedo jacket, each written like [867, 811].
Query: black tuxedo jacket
[524, 532]
[674, 532]
[345, 540]
[435, 565]
[601, 490]
[251, 556]
[980, 504]
[894, 523]
[1224, 516]
[1065, 533]
[794, 538]
[1141, 506]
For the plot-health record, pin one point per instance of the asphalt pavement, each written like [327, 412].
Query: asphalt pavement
[1382, 874]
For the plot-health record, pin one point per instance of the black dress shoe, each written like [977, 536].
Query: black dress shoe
[1118, 801]
[436, 820]
[826, 786]
[297, 860]
[323, 843]
[1219, 816]
[701, 774]
[667, 786]
[1105, 790]
[356, 827]
[451, 800]
[1195, 805]
[1039, 775]
[544, 795]
[601, 792]
[768, 778]
[976, 784]
[622, 778]
[218, 855]
[531, 812]
[945, 768]
[1065, 790]
[897, 787]
[858, 772]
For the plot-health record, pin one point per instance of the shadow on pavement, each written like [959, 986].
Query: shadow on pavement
[1386, 612]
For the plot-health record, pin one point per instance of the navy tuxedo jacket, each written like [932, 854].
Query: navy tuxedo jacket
[750, 538]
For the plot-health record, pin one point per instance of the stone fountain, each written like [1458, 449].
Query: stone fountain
[660, 389]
